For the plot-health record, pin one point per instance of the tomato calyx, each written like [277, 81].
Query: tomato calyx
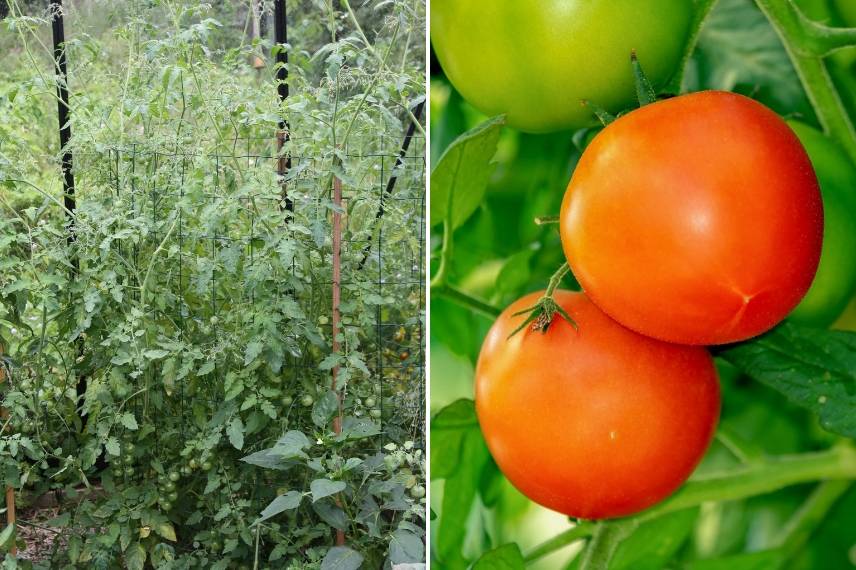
[541, 314]
[644, 90]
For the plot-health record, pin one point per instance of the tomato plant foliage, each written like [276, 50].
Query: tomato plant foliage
[168, 368]
[776, 484]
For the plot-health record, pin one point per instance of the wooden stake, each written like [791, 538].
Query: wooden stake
[10, 491]
[337, 298]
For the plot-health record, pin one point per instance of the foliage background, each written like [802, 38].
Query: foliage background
[200, 316]
[500, 254]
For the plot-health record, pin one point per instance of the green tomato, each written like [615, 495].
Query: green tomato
[847, 10]
[835, 281]
[206, 466]
[287, 400]
[174, 476]
[173, 497]
[370, 402]
[169, 486]
[375, 413]
[417, 492]
[536, 60]
[166, 505]
[307, 400]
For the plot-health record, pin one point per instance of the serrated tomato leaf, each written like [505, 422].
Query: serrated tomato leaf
[460, 177]
[506, 557]
[814, 368]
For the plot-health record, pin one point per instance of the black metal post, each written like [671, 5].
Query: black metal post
[280, 30]
[399, 161]
[64, 124]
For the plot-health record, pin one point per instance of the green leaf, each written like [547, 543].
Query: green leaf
[112, 446]
[155, 354]
[459, 490]
[459, 179]
[331, 514]
[814, 368]
[291, 445]
[235, 431]
[654, 543]
[166, 530]
[506, 557]
[6, 536]
[404, 546]
[341, 558]
[286, 502]
[129, 421]
[738, 50]
[206, 368]
[325, 408]
[325, 487]
[449, 429]
[357, 428]
[763, 560]
[135, 557]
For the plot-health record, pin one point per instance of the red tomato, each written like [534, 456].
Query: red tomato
[695, 220]
[594, 422]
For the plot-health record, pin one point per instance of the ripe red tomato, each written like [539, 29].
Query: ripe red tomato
[696, 220]
[594, 422]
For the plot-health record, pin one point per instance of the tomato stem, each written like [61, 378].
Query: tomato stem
[545, 220]
[466, 300]
[541, 314]
[806, 42]
[749, 480]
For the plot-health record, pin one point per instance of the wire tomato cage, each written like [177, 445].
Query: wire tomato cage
[236, 283]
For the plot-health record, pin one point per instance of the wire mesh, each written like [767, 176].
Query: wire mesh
[205, 238]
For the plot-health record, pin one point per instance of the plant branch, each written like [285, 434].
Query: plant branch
[456, 295]
[749, 480]
[604, 542]
[791, 26]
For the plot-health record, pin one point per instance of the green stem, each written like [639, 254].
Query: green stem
[582, 529]
[604, 542]
[744, 481]
[466, 300]
[556, 279]
[439, 280]
[791, 26]
[810, 515]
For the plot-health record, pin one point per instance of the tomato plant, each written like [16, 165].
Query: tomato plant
[170, 327]
[600, 405]
[685, 244]
[537, 61]
[509, 434]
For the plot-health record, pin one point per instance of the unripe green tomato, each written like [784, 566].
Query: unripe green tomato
[169, 486]
[375, 413]
[173, 497]
[287, 400]
[174, 476]
[129, 447]
[193, 464]
[536, 60]
[206, 466]
[307, 400]
[129, 471]
[215, 546]
[166, 505]
[186, 470]
[835, 281]
[847, 11]
[417, 492]
[371, 402]
[128, 459]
